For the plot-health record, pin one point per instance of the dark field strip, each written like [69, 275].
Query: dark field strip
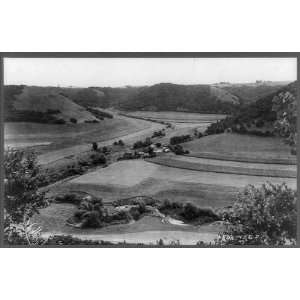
[234, 157]
[170, 162]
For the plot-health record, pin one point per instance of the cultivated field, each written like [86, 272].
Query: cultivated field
[65, 135]
[229, 167]
[238, 147]
[177, 117]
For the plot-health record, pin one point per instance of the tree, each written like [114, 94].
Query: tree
[95, 146]
[73, 120]
[285, 106]
[261, 216]
[22, 178]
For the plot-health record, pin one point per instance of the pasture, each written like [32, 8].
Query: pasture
[238, 147]
[177, 117]
[59, 136]
[229, 167]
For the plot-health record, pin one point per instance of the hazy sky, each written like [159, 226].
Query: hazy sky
[85, 72]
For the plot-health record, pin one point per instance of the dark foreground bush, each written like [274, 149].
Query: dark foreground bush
[262, 216]
[188, 212]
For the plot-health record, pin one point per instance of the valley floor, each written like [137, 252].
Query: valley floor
[212, 174]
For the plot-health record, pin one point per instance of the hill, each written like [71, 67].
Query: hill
[44, 105]
[251, 92]
[175, 97]
[86, 97]
[274, 114]
[60, 104]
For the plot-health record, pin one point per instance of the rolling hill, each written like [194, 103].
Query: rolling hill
[274, 114]
[61, 104]
[175, 97]
[43, 104]
[251, 92]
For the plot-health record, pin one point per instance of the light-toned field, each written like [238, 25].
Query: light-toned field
[146, 230]
[128, 136]
[177, 117]
[65, 135]
[238, 147]
[137, 177]
[228, 167]
[115, 175]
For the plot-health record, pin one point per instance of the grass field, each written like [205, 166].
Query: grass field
[137, 177]
[177, 117]
[239, 147]
[61, 136]
[204, 181]
[146, 230]
[229, 167]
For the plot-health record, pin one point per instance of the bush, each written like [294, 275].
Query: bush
[95, 146]
[98, 159]
[59, 121]
[180, 139]
[22, 178]
[178, 150]
[262, 216]
[68, 198]
[191, 212]
[142, 144]
[73, 120]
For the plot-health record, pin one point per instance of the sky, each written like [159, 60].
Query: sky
[84, 72]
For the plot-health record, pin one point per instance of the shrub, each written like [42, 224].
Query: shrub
[95, 146]
[91, 219]
[73, 120]
[59, 121]
[68, 198]
[262, 216]
[142, 144]
[178, 150]
[22, 177]
[98, 158]
[180, 139]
